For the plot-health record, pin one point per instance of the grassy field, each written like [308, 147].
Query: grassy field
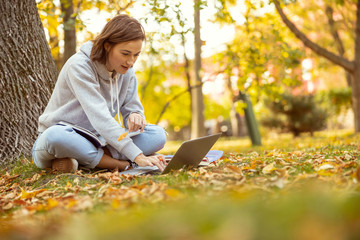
[303, 188]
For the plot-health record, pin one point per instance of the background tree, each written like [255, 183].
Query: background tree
[197, 103]
[351, 66]
[257, 61]
[69, 14]
[172, 24]
[27, 76]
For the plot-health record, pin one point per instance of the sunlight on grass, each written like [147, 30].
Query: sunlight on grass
[271, 141]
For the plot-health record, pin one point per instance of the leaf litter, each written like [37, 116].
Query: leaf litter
[235, 174]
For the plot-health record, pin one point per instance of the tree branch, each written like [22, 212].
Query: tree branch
[339, 44]
[174, 98]
[338, 60]
[188, 89]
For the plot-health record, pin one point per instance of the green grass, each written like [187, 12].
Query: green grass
[303, 188]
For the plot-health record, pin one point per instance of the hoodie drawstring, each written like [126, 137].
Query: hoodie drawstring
[111, 95]
[117, 96]
[117, 99]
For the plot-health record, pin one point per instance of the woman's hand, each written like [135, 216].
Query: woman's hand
[157, 160]
[136, 122]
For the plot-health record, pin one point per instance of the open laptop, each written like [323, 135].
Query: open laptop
[190, 154]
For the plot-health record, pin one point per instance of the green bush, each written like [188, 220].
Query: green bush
[337, 100]
[295, 114]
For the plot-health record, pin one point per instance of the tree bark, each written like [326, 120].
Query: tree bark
[27, 77]
[356, 74]
[67, 8]
[352, 67]
[187, 70]
[234, 115]
[197, 118]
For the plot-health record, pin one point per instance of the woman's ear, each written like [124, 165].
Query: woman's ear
[107, 47]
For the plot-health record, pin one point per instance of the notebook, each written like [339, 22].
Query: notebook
[190, 154]
[98, 141]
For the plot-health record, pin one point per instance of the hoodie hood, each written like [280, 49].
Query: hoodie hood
[100, 68]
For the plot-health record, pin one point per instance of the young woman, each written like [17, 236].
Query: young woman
[94, 86]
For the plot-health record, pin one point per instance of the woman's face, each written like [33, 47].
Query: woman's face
[122, 56]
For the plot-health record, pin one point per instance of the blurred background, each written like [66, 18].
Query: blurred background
[205, 63]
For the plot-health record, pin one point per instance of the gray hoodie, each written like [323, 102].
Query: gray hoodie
[87, 96]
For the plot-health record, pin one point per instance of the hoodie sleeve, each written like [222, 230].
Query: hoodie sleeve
[132, 102]
[83, 82]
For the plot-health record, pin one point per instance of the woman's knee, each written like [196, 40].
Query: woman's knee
[153, 140]
[158, 133]
[57, 136]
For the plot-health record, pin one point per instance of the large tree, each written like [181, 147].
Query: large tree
[351, 66]
[27, 76]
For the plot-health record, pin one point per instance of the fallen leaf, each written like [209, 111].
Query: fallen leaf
[269, 168]
[8, 206]
[32, 179]
[71, 203]
[234, 169]
[122, 136]
[31, 194]
[51, 203]
[325, 166]
[68, 186]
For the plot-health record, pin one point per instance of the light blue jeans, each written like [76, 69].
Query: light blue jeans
[63, 142]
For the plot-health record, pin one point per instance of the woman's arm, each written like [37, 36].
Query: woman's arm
[82, 81]
[132, 102]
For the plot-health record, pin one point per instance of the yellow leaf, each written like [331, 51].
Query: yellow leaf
[323, 172]
[122, 136]
[51, 203]
[71, 203]
[270, 154]
[27, 195]
[68, 186]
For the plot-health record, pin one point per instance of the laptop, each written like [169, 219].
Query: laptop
[189, 155]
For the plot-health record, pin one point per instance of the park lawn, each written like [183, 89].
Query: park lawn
[303, 188]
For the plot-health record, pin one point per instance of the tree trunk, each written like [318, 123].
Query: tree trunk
[27, 77]
[187, 70]
[235, 121]
[356, 74]
[197, 111]
[67, 8]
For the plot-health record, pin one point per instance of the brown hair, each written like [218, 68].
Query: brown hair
[121, 28]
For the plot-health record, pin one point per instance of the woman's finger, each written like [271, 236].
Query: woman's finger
[159, 165]
[150, 163]
[142, 125]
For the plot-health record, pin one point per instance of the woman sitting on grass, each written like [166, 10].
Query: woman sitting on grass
[94, 86]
